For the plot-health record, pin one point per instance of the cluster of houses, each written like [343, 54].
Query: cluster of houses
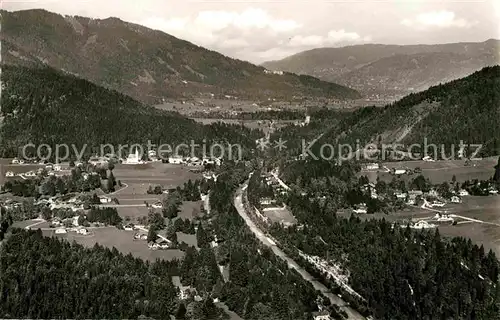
[321, 315]
[62, 227]
[52, 170]
[271, 179]
[161, 243]
[74, 203]
[422, 224]
[194, 161]
[411, 197]
[10, 204]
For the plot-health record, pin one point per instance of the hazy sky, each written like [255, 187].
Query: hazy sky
[265, 30]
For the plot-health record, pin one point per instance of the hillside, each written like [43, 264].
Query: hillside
[392, 70]
[146, 64]
[46, 106]
[467, 109]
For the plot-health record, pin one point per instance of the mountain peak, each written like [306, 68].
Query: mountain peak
[118, 55]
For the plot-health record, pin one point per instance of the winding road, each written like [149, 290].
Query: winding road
[268, 242]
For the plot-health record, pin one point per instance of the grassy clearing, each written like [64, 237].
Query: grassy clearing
[279, 215]
[122, 240]
[438, 171]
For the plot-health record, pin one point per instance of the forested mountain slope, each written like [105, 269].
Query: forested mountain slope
[47, 106]
[146, 64]
[467, 109]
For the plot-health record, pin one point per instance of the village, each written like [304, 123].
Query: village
[84, 201]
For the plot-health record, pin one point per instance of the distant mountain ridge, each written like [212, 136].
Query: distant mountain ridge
[146, 64]
[392, 69]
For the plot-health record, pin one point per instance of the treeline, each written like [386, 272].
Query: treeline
[258, 189]
[108, 216]
[43, 106]
[43, 277]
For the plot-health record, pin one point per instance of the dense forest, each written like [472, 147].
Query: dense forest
[402, 273]
[44, 106]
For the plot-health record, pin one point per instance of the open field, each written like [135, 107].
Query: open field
[280, 215]
[438, 171]
[122, 240]
[189, 239]
[138, 178]
[133, 213]
[35, 223]
[485, 209]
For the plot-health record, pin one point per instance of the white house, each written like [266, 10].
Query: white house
[463, 193]
[83, 231]
[134, 158]
[175, 160]
[456, 199]
[438, 204]
[157, 205]
[372, 166]
[184, 292]
[266, 201]
[208, 161]
[9, 174]
[322, 315]
[444, 218]
[76, 208]
[399, 171]
[152, 153]
[61, 231]
[428, 159]
[103, 199]
[30, 174]
[401, 195]
[423, 225]
[360, 211]
[15, 161]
